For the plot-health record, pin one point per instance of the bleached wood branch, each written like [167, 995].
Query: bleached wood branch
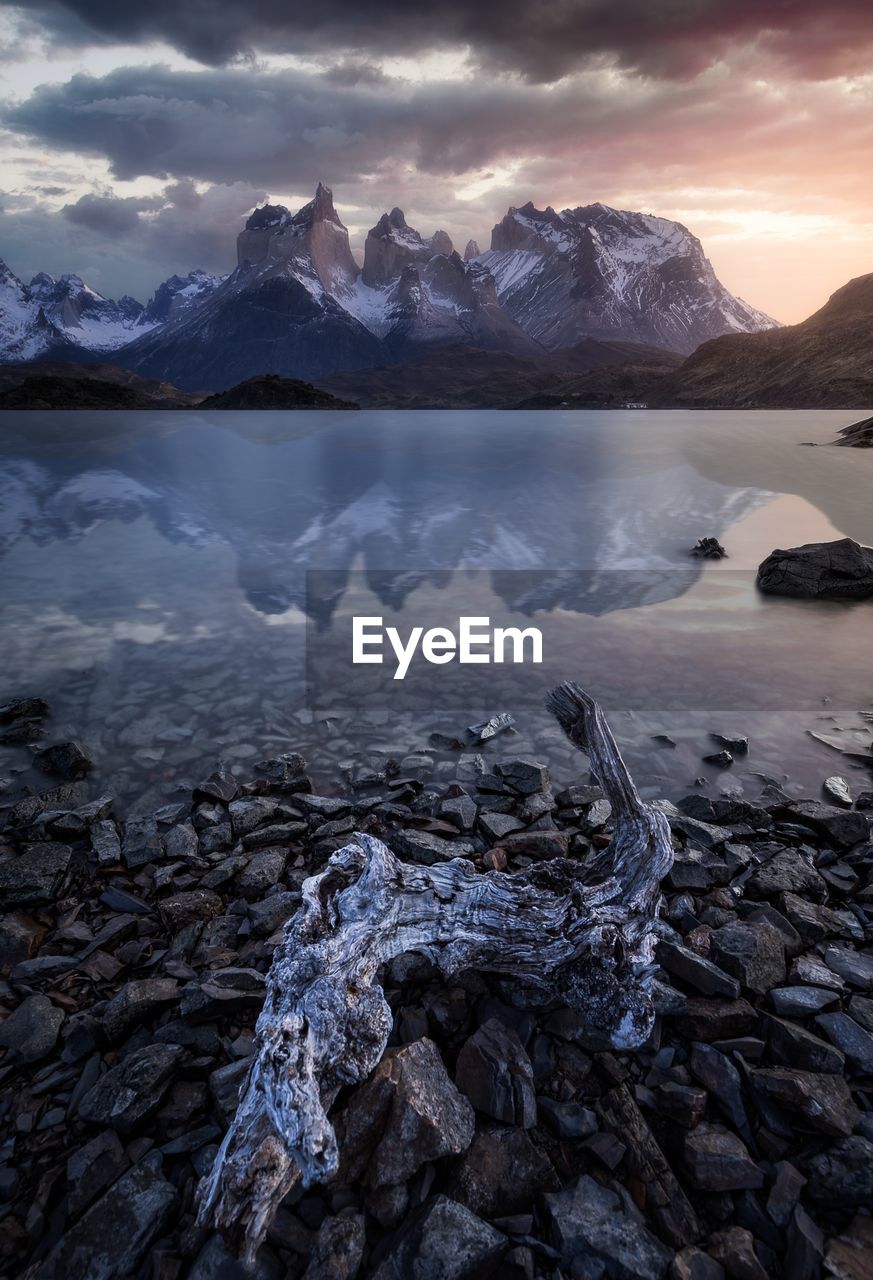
[581, 933]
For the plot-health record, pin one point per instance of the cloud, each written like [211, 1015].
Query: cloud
[543, 41]
[109, 214]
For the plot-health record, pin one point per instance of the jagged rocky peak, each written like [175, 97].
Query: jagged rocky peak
[176, 294]
[312, 243]
[392, 245]
[472, 250]
[594, 271]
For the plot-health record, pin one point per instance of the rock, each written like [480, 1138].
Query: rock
[837, 791]
[498, 825]
[184, 908]
[131, 1092]
[854, 966]
[718, 1161]
[41, 969]
[224, 993]
[338, 1249]
[708, 549]
[697, 869]
[64, 760]
[537, 844]
[814, 922]
[696, 970]
[406, 1113]
[841, 827]
[502, 1172]
[495, 1073]
[268, 916]
[262, 872]
[93, 1168]
[181, 842]
[105, 844]
[824, 1101]
[794, 1046]
[140, 843]
[803, 1257]
[709, 1020]
[692, 1264]
[426, 848]
[800, 1002]
[461, 811]
[114, 1235]
[734, 1248]
[841, 1176]
[19, 938]
[35, 877]
[23, 709]
[721, 1079]
[721, 759]
[839, 570]
[31, 1032]
[788, 871]
[785, 1192]
[851, 1039]
[567, 1119]
[737, 744]
[224, 1087]
[752, 953]
[137, 1003]
[221, 786]
[588, 1224]
[443, 1241]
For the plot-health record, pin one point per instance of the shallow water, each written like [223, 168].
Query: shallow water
[154, 585]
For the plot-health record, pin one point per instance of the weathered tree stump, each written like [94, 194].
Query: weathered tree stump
[581, 934]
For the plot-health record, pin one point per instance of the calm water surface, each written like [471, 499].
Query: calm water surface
[164, 576]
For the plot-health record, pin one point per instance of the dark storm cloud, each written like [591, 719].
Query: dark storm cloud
[296, 127]
[108, 214]
[543, 39]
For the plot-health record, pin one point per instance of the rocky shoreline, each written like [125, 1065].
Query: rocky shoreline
[493, 1138]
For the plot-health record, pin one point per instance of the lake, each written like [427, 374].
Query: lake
[180, 587]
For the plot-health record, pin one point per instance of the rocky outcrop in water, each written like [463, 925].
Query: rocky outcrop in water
[273, 392]
[858, 436]
[841, 570]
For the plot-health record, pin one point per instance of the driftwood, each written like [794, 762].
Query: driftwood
[581, 934]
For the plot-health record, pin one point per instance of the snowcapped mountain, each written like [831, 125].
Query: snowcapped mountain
[606, 273]
[297, 303]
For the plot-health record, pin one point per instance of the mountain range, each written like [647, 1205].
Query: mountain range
[299, 305]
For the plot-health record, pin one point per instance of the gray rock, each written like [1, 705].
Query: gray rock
[788, 871]
[407, 1113]
[131, 1092]
[221, 786]
[41, 969]
[250, 812]
[35, 877]
[461, 811]
[815, 922]
[692, 1264]
[785, 1192]
[114, 1235]
[137, 1003]
[588, 1223]
[854, 966]
[794, 1046]
[837, 791]
[443, 1241]
[851, 1039]
[93, 1168]
[696, 970]
[495, 1073]
[523, 776]
[753, 953]
[262, 871]
[841, 1176]
[225, 992]
[31, 1032]
[269, 915]
[498, 825]
[801, 1002]
[19, 937]
[839, 570]
[64, 760]
[861, 1009]
[567, 1119]
[805, 1252]
[842, 827]
[734, 1248]
[823, 1101]
[181, 842]
[338, 1248]
[718, 1161]
[141, 843]
[105, 844]
[502, 1172]
[427, 848]
[224, 1087]
[698, 869]
[718, 1075]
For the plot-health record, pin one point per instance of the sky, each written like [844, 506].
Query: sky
[136, 135]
